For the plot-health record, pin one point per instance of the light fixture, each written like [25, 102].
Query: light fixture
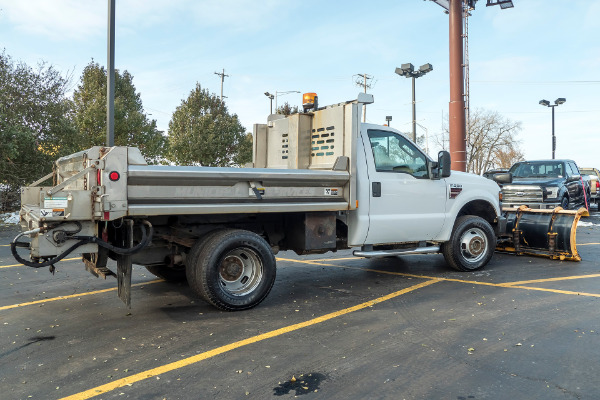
[408, 70]
[545, 103]
[557, 102]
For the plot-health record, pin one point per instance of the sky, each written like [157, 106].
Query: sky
[540, 49]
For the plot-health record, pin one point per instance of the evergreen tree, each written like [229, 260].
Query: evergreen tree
[34, 125]
[202, 132]
[132, 126]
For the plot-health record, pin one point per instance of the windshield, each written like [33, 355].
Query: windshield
[538, 170]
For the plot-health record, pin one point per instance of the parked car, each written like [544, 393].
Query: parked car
[546, 184]
[491, 172]
[594, 175]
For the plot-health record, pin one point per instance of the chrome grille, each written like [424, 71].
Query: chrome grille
[522, 194]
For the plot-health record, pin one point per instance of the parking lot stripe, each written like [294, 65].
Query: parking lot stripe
[20, 265]
[556, 291]
[564, 278]
[586, 244]
[232, 346]
[71, 296]
[504, 285]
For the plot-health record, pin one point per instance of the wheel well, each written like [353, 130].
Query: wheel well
[480, 208]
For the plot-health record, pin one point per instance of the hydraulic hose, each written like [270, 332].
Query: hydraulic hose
[146, 239]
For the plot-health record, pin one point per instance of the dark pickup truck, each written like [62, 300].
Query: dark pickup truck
[546, 184]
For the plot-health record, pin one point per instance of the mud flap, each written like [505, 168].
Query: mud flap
[124, 265]
[548, 233]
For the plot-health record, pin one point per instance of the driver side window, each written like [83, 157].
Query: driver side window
[394, 153]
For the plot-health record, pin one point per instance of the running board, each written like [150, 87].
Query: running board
[397, 252]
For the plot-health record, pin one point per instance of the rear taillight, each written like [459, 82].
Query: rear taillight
[114, 176]
[597, 185]
[98, 177]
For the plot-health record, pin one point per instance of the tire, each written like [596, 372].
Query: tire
[564, 203]
[176, 274]
[471, 245]
[587, 201]
[231, 269]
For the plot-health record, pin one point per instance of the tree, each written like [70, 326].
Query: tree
[202, 132]
[286, 109]
[34, 125]
[492, 141]
[132, 127]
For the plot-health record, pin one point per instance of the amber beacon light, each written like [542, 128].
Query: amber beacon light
[309, 100]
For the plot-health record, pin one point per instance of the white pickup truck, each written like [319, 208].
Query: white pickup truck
[320, 181]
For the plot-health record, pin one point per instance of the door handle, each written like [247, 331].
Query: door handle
[376, 186]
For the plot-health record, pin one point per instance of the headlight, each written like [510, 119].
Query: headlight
[552, 192]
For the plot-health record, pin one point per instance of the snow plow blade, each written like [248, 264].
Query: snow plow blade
[547, 233]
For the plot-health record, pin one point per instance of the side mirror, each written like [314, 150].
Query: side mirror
[443, 164]
[573, 178]
[502, 177]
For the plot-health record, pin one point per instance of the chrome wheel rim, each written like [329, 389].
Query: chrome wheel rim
[240, 272]
[473, 245]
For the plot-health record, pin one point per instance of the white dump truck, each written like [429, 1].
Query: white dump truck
[320, 181]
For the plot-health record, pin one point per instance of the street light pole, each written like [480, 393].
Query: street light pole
[271, 97]
[408, 71]
[557, 102]
[553, 137]
[110, 77]
[414, 113]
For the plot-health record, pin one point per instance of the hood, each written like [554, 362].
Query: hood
[538, 181]
[467, 177]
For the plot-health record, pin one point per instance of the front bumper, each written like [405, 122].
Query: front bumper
[542, 206]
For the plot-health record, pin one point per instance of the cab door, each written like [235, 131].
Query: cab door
[574, 185]
[405, 204]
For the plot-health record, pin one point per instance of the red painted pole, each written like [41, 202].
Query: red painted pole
[457, 119]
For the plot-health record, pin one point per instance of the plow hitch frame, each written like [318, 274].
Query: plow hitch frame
[538, 232]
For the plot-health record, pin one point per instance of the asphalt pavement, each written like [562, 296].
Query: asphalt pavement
[333, 327]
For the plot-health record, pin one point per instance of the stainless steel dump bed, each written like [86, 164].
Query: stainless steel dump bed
[302, 162]
[157, 190]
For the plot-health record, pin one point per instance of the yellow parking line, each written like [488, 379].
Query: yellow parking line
[236, 345]
[506, 284]
[390, 272]
[564, 278]
[20, 265]
[556, 291]
[71, 296]
[585, 244]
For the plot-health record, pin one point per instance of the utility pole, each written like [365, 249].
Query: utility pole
[365, 85]
[222, 75]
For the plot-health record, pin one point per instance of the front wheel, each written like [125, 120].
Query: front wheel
[231, 269]
[472, 244]
[564, 203]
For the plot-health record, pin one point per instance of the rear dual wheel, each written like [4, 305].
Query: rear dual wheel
[231, 269]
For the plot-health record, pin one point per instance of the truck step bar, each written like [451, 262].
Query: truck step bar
[396, 252]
